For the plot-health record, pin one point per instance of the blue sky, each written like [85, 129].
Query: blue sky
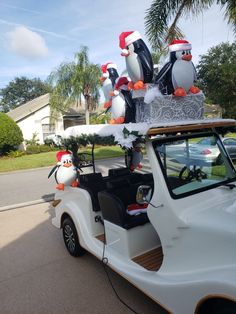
[36, 36]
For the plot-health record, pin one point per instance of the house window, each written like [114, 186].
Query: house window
[48, 129]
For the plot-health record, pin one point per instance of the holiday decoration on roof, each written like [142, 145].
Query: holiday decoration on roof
[122, 109]
[177, 77]
[108, 78]
[138, 59]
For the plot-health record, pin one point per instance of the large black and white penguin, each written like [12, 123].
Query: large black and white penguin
[179, 74]
[138, 59]
[65, 172]
[108, 79]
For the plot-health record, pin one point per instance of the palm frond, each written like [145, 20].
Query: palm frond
[161, 13]
[230, 11]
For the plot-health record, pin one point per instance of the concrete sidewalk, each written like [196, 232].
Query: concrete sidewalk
[38, 276]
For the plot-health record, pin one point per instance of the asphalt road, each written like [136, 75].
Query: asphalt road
[38, 276]
[32, 185]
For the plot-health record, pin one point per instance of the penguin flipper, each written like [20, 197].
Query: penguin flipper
[195, 73]
[145, 61]
[53, 170]
[163, 72]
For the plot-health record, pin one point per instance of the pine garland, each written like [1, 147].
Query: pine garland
[89, 139]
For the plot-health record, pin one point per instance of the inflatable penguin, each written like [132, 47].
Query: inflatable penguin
[65, 172]
[138, 59]
[179, 74]
[108, 78]
[134, 157]
[122, 109]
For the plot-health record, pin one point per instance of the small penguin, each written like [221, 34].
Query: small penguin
[122, 109]
[135, 157]
[108, 78]
[138, 59]
[177, 76]
[65, 172]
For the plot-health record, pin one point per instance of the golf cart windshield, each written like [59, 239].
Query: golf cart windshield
[194, 163]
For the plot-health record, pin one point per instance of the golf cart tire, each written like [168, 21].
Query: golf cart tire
[71, 238]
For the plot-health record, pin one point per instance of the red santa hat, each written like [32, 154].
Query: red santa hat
[62, 153]
[107, 66]
[120, 81]
[127, 38]
[179, 44]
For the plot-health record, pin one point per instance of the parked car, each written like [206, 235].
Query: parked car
[53, 139]
[179, 246]
[211, 151]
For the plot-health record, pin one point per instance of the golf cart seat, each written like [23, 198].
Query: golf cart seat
[93, 183]
[114, 202]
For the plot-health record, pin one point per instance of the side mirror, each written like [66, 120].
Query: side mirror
[143, 195]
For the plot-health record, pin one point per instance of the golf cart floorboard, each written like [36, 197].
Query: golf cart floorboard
[101, 237]
[150, 260]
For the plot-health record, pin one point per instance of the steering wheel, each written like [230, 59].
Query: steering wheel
[187, 174]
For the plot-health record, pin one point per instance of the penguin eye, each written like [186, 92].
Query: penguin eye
[183, 53]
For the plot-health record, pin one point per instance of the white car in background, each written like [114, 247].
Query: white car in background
[208, 148]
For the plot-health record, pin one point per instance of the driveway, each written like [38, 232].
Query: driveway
[38, 275]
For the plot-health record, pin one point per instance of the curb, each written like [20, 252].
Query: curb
[47, 199]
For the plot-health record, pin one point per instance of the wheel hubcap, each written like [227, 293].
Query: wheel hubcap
[69, 238]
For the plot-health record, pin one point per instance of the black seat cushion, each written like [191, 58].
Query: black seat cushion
[113, 204]
[93, 183]
[119, 172]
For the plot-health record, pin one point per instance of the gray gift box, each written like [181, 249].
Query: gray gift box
[169, 108]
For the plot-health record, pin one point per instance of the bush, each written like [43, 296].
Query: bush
[46, 148]
[16, 153]
[33, 149]
[36, 149]
[10, 134]
[33, 141]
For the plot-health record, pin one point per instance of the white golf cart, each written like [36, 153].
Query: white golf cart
[181, 250]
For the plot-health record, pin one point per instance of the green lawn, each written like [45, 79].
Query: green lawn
[49, 159]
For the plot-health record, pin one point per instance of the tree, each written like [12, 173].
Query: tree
[73, 79]
[21, 90]
[163, 12]
[10, 134]
[217, 77]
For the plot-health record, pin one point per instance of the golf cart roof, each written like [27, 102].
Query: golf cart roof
[146, 128]
[125, 134]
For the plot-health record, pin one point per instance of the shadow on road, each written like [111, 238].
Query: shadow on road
[39, 276]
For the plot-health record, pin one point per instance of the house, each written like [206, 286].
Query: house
[34, 117]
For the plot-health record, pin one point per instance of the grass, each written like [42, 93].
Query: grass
[49, 159]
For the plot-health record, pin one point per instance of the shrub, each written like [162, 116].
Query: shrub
[16, 153]
[33, 149]
[36, 149]
[10, 134]
[34, 140]
[45, 148]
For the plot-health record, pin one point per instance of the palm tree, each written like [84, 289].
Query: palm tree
[73, 79]
[86, 78]
[163, 12]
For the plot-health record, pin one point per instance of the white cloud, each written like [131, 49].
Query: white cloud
[26, 43]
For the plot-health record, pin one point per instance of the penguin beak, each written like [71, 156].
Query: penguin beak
[187, 57]
[67, 165]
